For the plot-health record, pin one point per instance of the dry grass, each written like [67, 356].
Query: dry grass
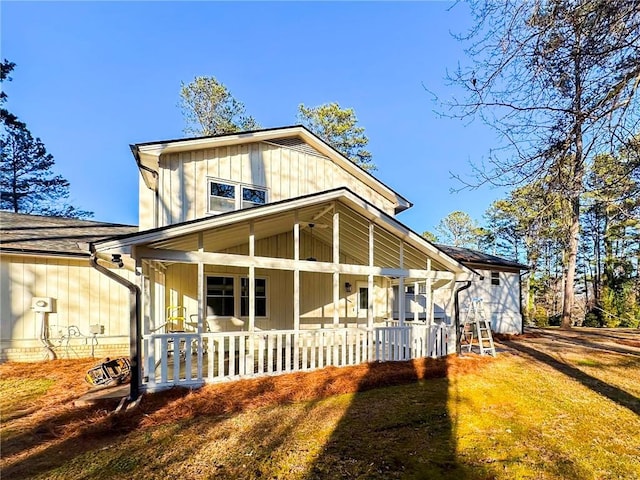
[521, 415]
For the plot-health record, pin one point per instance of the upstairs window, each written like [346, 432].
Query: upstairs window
[495, 278]
[222, 197]
[227, 196]
[252, 197]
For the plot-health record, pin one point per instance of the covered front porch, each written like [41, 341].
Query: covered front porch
[297, 285]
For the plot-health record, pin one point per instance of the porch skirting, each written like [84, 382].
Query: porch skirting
[192, 359]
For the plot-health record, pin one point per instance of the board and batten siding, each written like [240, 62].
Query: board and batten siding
[82, 296]
[284, 172]
[501, 302]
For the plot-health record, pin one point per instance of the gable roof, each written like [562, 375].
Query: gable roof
[163, 235]
[468, 256]
[147, 155]
[39, 235]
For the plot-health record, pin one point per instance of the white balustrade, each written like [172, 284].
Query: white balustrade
[191, 359]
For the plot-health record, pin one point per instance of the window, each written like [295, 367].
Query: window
[495, 278]
[252, 197]
[363, 295]
[220, 298]
[222, 197]
[224, 298]
[260, 307]
[228, 196]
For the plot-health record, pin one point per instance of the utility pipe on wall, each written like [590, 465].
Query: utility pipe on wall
[456, 308]
[134, 322]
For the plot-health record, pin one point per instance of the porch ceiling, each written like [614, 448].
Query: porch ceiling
[217, 234]
[354, 237]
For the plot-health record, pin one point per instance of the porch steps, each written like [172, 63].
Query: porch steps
[476, 330]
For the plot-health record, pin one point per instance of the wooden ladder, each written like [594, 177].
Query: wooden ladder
[476, 329]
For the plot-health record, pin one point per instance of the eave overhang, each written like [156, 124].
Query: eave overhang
[147, 156]
[126, 243]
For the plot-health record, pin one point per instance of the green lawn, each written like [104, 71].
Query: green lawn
[562, 413]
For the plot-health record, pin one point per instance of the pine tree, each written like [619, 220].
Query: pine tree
[27, 181]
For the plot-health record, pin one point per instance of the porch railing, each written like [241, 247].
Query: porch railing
[191, 359]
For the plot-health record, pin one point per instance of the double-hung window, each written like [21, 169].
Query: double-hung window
[495, 278]
[222, 197]
[253, 196]
[225, 196]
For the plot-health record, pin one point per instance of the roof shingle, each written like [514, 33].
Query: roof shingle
[35, 234]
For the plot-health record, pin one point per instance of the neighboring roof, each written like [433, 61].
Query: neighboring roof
[474, 257]
[148, 153]
[40, 235]
[229, 219]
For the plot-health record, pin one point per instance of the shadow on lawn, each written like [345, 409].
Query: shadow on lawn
[75, 436]
[611, 392]
[397, 432]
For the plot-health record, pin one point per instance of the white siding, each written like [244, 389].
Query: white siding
[501, 302]
[83, 297]
[283, 171]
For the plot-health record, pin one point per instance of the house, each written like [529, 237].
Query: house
[500, 287]
[268, 251]
[41, 262]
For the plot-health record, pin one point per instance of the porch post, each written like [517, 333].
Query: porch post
[428, 304]
[200, 300]
[162, 298]
[370, 280]
[147, 299]
[336, 262]
[296, 292]
[296, 274]
[416, 310]
[402, 297]
[252, 280]
[200, 297]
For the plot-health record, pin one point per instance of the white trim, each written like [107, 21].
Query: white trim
[343, 195]
[149, 155]
[237, 296]
[238, 193]
[236, 260]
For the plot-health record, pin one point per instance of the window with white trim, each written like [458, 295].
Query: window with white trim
[228, 295]
[495, 278]
[225, 196]
[220, 297]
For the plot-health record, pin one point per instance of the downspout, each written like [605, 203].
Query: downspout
[134, 321]
[521, 307]
[456, 310]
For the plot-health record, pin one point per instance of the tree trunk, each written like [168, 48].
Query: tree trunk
[572, 255]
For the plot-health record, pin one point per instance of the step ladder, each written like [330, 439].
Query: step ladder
[476, 330]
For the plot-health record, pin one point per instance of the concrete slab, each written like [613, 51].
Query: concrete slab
[97, 395]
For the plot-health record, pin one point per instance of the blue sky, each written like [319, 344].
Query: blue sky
[93, 77]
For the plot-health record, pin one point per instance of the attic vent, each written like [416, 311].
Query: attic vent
[295, 143]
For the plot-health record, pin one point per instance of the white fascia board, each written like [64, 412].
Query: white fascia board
[356, 171]
[406, 234]
[150, 154]
[157, 149]
[348, 198]
[216, 221]
[236, 260]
